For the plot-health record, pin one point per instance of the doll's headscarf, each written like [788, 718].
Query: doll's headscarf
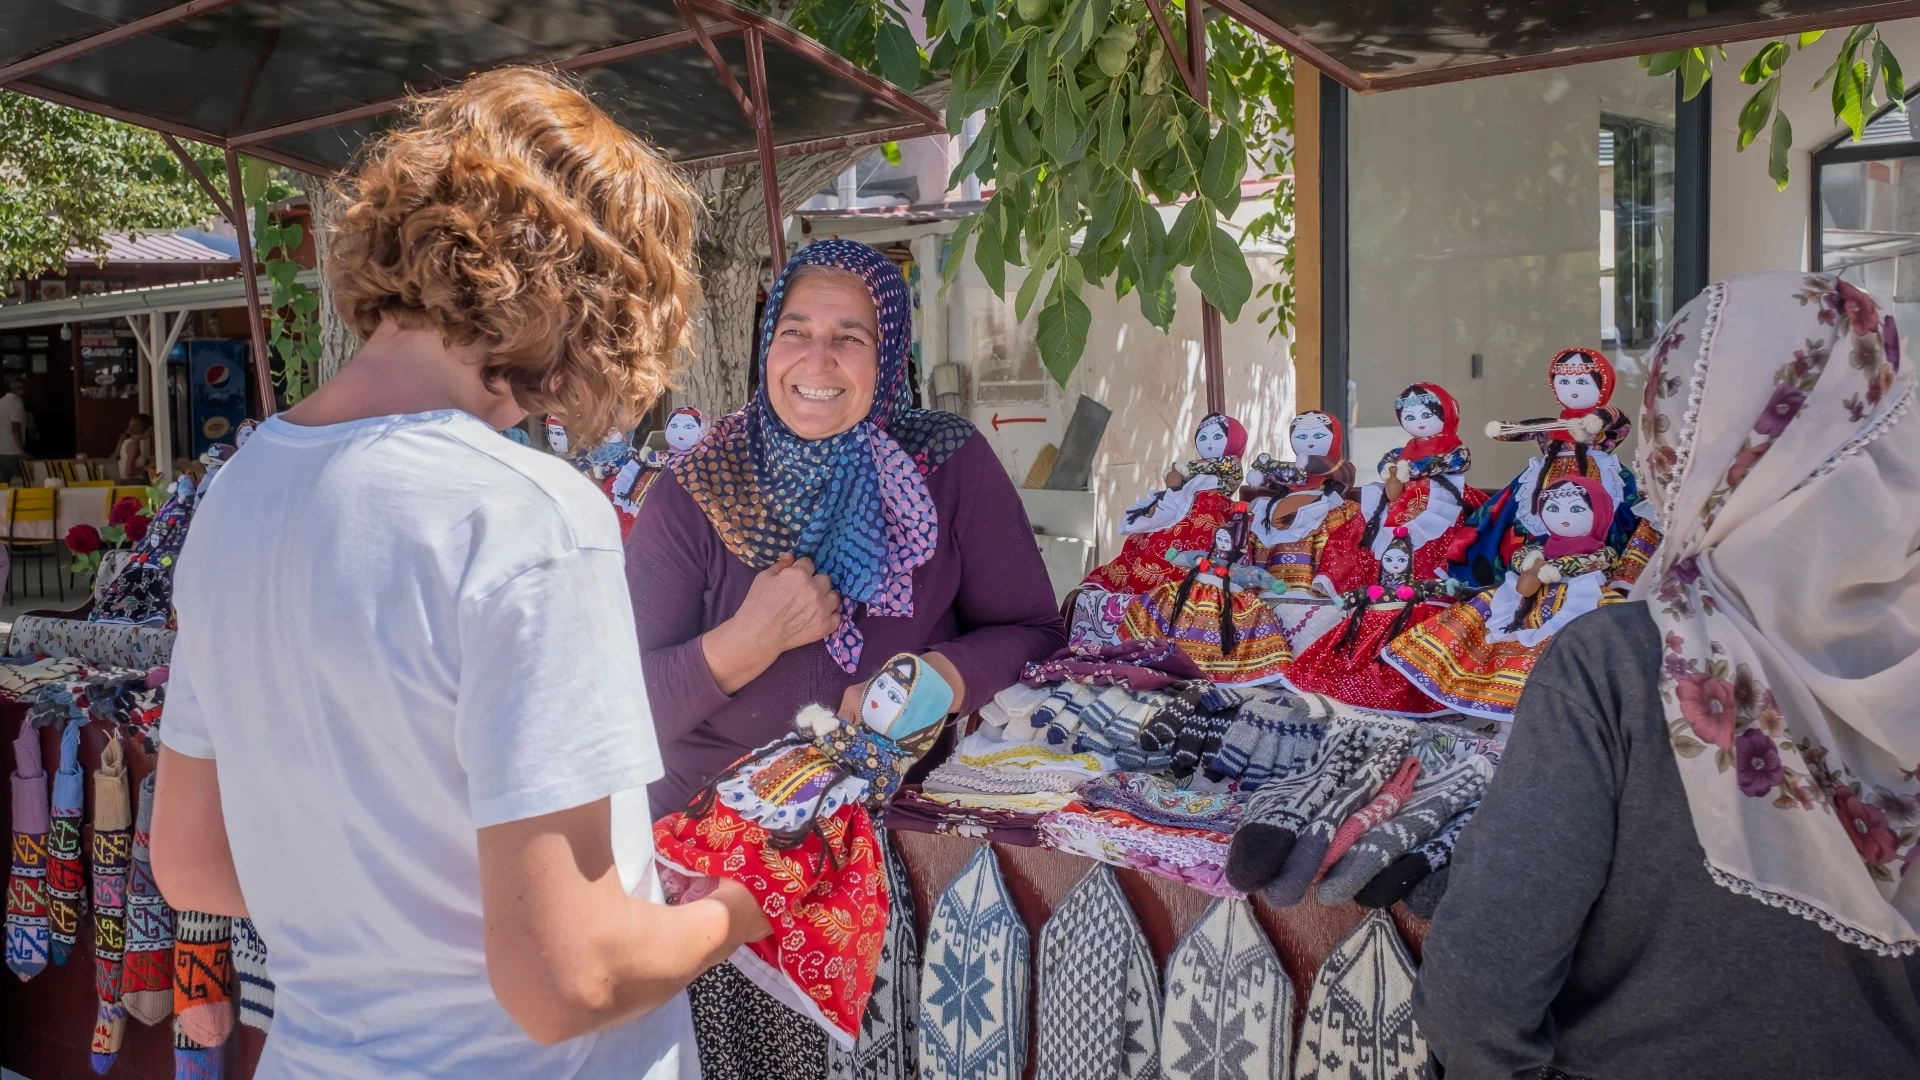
[1333, 425]
[1602, 504]
[1777, 450]
[1236, 433]
[1583, 362]
[1449, 436]
[855, 503]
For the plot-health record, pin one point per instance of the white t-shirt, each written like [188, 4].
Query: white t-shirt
[394, 632]
[12, 411]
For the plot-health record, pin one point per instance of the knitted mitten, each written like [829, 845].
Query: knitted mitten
[1425, 897]
[1289, 887]
[1392, 796]
[203, 978]
[1394, 883]
[250, 973]
[1277, 812]
[1433, 802]
[27, 936]
[146, 979]
[66, 873]
[112, 850]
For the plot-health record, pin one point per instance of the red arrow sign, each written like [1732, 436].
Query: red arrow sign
[997, 420]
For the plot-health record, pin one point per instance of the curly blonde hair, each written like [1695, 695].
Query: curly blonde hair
[513, 213]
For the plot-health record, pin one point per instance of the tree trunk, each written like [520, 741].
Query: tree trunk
[337, 342]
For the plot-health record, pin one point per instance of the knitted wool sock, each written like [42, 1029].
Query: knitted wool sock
[1433, 802]
[250, 974]
[112, 850]
[1392, 796]
[1289, 887]
[1393, 884]
[202, 978]
[191, 1061]
[66, 874]
[146, 978]
[1426, 896]
[1277, 812]
[27, 931]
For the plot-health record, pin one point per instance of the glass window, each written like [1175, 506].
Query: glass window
[1869, 199]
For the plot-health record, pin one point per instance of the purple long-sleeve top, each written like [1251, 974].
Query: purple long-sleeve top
[983, 600]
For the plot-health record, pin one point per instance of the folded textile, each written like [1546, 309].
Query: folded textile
[1035, 802]
[20, 682]
[959, 778]
[1158, 800]
[983, 749]
[1192, 856]
[911, 811]
[1137, 665]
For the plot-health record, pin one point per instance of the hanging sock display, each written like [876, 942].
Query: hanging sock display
[202, 994]
[146, 978]
[1229, 1004]
[1359, 1022]
[27, 930]
[66, 873]
[112, 851]
[973, 983]
[250, 975]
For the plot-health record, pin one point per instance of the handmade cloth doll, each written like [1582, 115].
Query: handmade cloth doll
[1295, 507]
[1345, 663]
[1182, 516]
[1475, 656]
[1214, 613]
[557, 436]
[685, 428]
[143, 591]
[616, 468]
[793, 822]
[1581, 441]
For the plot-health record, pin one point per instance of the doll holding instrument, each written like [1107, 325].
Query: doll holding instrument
[1182, 516]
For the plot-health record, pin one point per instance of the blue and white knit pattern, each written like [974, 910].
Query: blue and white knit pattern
[250, 975]
[1360, 1015]
[1085, 953]
[1229, 1003]
[973, 984]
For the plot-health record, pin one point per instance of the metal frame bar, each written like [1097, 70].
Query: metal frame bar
[199, 176]
[713, 56]
[159, 20]
[1211, 343]
[1335, 332]
[1686, 39]
[1173, 49]
[811, 146]
[763, 132]
[1692, 191]
[263, 369]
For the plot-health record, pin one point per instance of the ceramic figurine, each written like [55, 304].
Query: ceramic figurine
[1215, 613]
[1475, 657]
[792, 821]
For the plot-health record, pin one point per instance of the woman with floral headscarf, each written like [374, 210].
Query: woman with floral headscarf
[1693, 861]
[808, 537]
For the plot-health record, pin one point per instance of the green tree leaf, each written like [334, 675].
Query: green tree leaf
[1221, 273]
[1765, 63]
[1756, 112]
[1062, 333]
[1893, 79]
[956, 249]
[899, 55]
[1183, 239]
[987, 255]
[1810, 37]
[1029, 289]
[1225, 164]
[1778, 149]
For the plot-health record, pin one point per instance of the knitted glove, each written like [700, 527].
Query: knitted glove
[1277, 812]
[1289, 887]
[1198, 740]
[1393, 884]
[1433, 802]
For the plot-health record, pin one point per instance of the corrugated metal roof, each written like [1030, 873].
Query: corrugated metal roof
[185, 296]
[157, 248]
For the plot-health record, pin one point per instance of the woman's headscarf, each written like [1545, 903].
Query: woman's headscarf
[855, 503]
[1583, 362]
[1787, 593]
[1558, 547]
[1449, 437]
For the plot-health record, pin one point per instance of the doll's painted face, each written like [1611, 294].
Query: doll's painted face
[243, 433]
[683, 431]
[1222, 541]
[1396, 562]
[1211, 439]
[1566, 512]
[556, 436]
[1311, 437]
[885, 699]
[1420, 416]
[1576, 391]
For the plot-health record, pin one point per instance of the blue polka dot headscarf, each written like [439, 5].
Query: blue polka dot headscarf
[855, 503]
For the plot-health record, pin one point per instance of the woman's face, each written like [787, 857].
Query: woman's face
[1576, 391]
[1567, 512]
[1421, 418]
[683, 431]
[1311, 438]
[883, 703]
[825, 357]
[1211, 439]
[1395, 562]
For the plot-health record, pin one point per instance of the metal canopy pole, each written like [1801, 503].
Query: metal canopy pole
[1210, 343]
[763, 131]
[263, 370]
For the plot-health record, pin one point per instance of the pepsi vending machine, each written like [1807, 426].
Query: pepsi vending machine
[216, 390]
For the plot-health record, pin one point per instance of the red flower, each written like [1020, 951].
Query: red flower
[83, 539]
[1866, 826]
[1707, 703]
[123, 510]
[136, 528]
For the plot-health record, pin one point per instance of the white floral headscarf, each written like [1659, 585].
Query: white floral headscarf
[1787, 593]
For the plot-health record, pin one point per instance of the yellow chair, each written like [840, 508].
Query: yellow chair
[91, 483]
[123, 491]
[31, 513]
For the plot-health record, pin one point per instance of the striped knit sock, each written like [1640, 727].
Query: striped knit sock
[66, 873]
[191, 1061]
[27, 931]
[1434, 801]
[250, 974]
[1289, 887]
[1393, 884]
[203, 978]
[146, 979]
[1392, 796]
[112, 850]
[1277, 812]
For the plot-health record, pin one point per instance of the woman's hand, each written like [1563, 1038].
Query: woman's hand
[787, 606]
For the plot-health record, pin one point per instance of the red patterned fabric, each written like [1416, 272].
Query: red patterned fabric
[828, 922]
[1142, 562]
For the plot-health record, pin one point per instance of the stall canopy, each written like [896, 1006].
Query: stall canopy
[1386, 44]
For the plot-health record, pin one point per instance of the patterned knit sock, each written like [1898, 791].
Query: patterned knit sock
[1289, 887]
[202, 979]
[27, 932]
[1426, 896]
[1198, 740]
[191, 1061]
[1277, 812]
[1393, 884]
[1434, 801]
[250, 974]
[66, 873]
[1392, 796]
[112, 850]
[146, 979]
